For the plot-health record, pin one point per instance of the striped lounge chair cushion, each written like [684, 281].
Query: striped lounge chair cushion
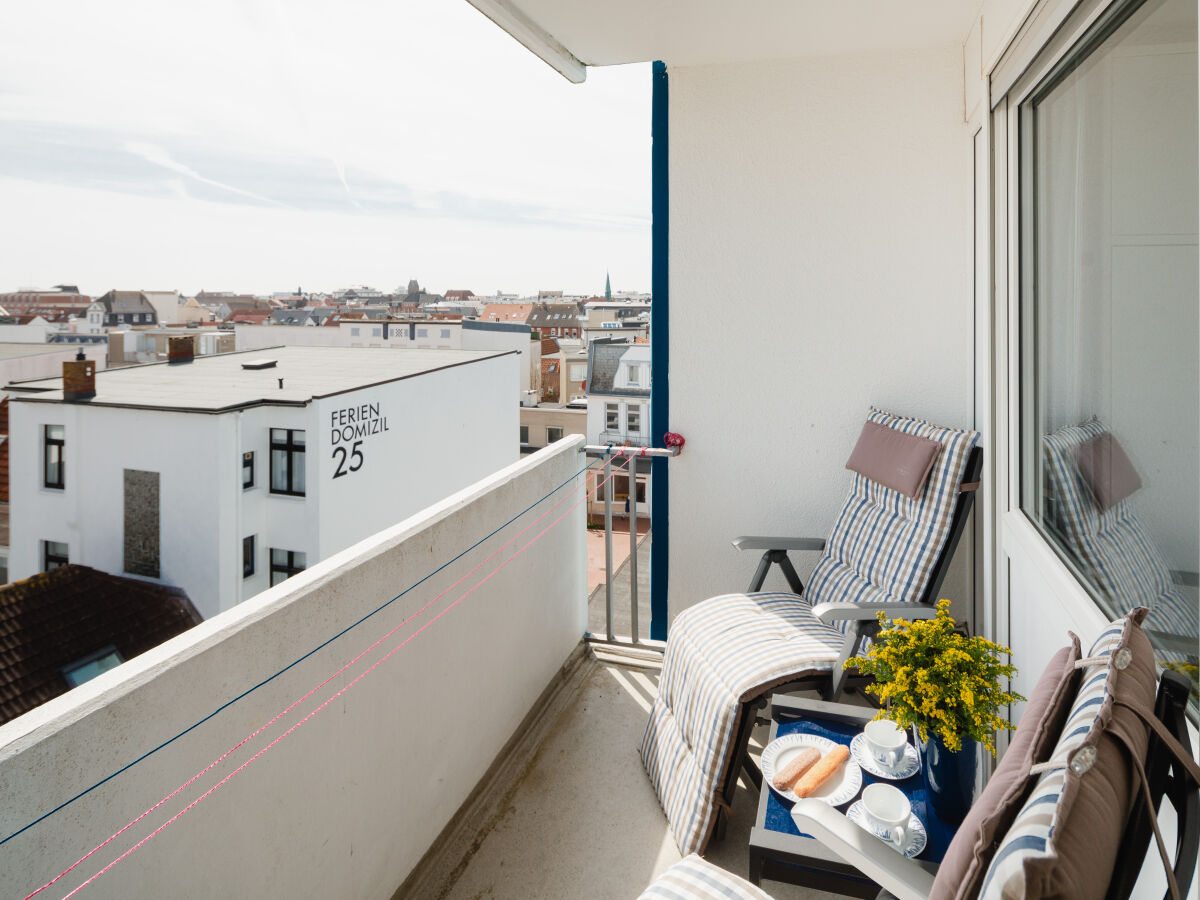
[1069, 829]
[731, 649]
[694, 879]
[884, 545]
[1114, 551]
[721, 653]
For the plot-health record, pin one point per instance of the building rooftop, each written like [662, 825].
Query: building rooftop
[604, 361]
[60, 617]
[221, 382]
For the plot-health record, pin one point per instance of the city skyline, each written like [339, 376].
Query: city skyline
[252, 148]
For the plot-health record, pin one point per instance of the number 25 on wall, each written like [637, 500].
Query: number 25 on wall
[356, 459]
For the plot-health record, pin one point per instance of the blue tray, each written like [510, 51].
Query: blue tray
[779, 811]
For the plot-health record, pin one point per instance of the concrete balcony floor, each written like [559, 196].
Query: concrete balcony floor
[576, 816]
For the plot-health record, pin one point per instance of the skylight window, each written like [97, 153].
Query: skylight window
[90, 666]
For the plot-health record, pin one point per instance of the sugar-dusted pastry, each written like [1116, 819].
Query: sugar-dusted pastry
[800, 763]
[821, 772]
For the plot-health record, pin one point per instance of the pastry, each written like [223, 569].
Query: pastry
[819, 773]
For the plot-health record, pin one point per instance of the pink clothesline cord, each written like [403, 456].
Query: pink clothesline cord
[324, 683]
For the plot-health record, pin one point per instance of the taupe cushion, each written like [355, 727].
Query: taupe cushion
[1066, 839]
[1106, 470]
[894, 459]
[963, 868]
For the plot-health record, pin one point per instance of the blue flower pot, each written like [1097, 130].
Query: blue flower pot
[949, 777]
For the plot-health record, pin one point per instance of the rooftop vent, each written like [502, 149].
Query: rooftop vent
[259, 364]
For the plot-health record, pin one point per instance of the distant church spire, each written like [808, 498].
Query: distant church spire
[607, 287]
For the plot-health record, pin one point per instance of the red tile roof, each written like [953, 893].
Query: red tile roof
[506, 312]
[60, 617]
[549, 345]
[244, 315]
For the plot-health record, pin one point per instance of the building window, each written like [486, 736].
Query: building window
[92, 665]
[285, 564]
[524, 434]
[633, 419]
[612, 414]
[422, 332]
[54, 554]
[353, 332]
[375, 332]
[445, 334]
[247, 556]
[248, 469]
[578, 371]
[287, 461]
[553, 434]
[632, 372]
[1110, 374]
[53, 465]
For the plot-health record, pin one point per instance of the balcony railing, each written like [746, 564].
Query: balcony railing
[316, 739]
[621, 439]
[629, 458]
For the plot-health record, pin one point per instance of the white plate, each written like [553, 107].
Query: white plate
[914, 835]
[841, 788]
[910, 764]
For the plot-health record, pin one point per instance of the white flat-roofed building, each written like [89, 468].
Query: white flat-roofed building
[224, 475]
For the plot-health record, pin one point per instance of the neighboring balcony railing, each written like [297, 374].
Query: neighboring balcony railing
[631, 458]
[621, 439]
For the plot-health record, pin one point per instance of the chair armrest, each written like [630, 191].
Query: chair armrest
[863, 612]
[759, 542]
[906, 879]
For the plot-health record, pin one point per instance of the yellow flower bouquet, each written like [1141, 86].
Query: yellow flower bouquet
[944, 683]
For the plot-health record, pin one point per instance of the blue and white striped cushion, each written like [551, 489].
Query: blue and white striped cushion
[884, 545]
[720, 653]
[1031, 837]
[1112, 548]
[692, 878]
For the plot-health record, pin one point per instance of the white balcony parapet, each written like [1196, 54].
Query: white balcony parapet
[348, 803]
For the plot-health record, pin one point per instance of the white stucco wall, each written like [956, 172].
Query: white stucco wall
[259, 337]
[444, 431]
[26, 334]
[347, 804]
[192, 455]
[484, 339]
[831, 200]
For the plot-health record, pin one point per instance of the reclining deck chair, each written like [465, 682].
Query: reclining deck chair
[1089, 481]
[1066, 813]
[888, 551]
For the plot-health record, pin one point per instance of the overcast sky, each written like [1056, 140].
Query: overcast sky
[261, 145]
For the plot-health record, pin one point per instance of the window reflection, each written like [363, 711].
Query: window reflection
[1110, 316]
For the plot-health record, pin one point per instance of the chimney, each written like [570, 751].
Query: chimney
[79, 380]
[180, 349]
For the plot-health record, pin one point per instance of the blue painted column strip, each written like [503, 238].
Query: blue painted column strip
[660, 396]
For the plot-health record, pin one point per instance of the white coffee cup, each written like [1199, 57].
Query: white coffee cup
[887, 811]
[885, 742]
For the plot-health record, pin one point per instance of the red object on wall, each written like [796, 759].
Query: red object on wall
[671, 439]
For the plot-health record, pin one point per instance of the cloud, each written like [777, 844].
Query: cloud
[159, 157]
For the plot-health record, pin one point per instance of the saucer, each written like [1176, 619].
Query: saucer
[914, 838]
[910, 764]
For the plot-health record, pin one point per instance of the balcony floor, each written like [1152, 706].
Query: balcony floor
[579, 818]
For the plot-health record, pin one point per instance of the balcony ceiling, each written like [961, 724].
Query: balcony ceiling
[702, 32]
